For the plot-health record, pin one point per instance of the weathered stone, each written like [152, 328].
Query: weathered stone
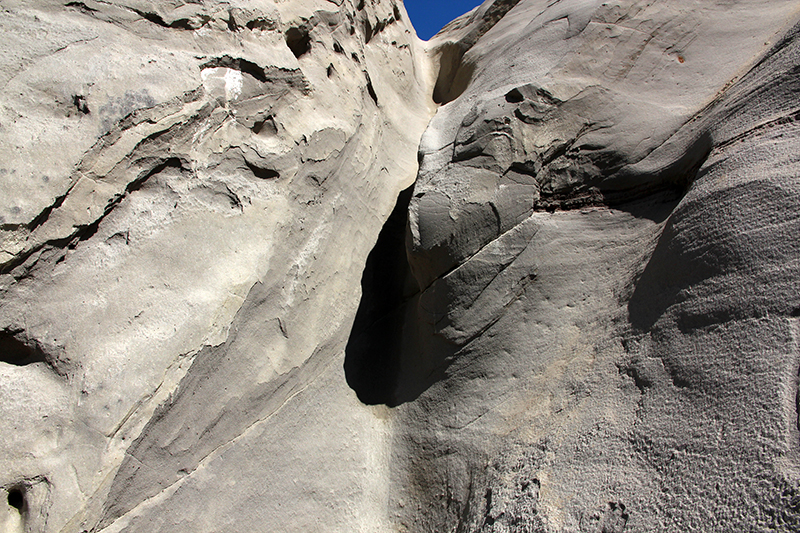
[581, 313]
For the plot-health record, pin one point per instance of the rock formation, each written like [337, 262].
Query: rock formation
[281, 266]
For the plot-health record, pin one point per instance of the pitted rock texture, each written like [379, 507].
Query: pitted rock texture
[281, 266]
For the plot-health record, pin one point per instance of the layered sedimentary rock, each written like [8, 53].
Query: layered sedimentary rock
[579, 312]
[190, 191]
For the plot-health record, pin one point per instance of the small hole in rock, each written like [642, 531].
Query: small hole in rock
[267, 126]
[79, 101]
[514, 96]
[15, 351]
[298, 40]
[796, 312]
[262, 172]
[16, 499]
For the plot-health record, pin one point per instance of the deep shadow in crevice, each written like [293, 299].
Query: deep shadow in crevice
[16, 350]
[454, 73]
[374, 350]
[16, 499]
[299, 41]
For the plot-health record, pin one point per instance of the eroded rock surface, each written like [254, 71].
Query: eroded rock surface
[581, 313]
[189, 192]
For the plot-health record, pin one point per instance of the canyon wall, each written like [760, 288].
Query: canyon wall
[281, 266]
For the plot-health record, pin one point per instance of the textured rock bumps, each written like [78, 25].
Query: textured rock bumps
[582, 317]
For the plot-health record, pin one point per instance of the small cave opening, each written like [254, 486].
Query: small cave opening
[374, 351]
[16, 350]
[299, 41]
[16, 498]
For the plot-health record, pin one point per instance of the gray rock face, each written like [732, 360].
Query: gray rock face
[582, 317]
[190, 191]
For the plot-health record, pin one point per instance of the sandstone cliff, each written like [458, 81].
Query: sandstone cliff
[282, 266]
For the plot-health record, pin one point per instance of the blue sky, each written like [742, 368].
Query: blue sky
[429, 16]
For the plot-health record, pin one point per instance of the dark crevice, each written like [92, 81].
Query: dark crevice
[454, 74]
[235, 63]
[450, 66]
[299, 41]
[514, 96]
[16, 499]
[17, 350]
[88, 231]
[42, 217]
[182, 24]
[138, 183]
[81, 7]
[260, 24]
[371, 31]
[796, 312]
[371, 89]
[368, 32]
[155, 18]
[488, 520]
[267, 126]
[262, 172]
[79, 101]
[85, 232]
[374, 349]
[231, 22]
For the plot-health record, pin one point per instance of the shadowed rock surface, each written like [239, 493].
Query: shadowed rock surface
[282, 266]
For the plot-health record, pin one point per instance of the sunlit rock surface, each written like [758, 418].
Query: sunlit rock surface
[582, 316]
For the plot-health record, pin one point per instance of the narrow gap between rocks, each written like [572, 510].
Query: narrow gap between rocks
[374, 350]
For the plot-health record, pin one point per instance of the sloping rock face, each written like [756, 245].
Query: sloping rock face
[601, 334]
[582, 317]
[189, 193]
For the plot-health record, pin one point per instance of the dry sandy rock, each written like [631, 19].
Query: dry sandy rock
[281, 266]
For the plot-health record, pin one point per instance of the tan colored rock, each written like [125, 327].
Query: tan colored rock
[582, 317]
[189, 194]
